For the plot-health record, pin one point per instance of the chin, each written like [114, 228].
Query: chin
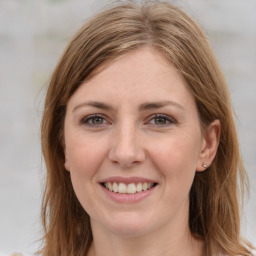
[129, 225]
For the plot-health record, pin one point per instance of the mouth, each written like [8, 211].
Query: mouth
[130, 188]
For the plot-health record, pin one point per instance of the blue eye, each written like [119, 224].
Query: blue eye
[94, 120]
[161, 120]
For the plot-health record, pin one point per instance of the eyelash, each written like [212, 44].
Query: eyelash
[90, 118]
[164, 117]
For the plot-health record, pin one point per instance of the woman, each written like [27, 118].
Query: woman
[139, 141]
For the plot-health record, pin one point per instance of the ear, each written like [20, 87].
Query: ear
[209, 146]
[66, 163]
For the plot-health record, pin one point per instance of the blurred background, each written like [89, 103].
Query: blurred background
[33, 34]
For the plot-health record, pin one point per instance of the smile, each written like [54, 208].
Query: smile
[130, 188]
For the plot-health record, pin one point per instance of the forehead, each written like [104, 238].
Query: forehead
[142, 75]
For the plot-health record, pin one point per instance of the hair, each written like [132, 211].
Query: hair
[215, 194]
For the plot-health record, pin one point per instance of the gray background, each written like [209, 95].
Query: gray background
[33, 34]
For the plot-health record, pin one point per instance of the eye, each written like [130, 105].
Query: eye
[94, 120]
[161, 120]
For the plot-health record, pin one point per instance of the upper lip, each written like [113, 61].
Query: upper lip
[127, 180]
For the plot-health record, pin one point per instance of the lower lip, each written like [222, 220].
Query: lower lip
[128, 198]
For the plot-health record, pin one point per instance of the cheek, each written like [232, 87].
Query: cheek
[84, 154]
[85, 159]
[176, 159]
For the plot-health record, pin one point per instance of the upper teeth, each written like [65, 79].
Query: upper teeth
[130, 188]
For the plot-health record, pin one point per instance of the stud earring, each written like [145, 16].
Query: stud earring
[204, 165]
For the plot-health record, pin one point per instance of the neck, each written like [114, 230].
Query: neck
[163, 242]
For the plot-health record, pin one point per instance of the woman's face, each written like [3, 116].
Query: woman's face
[133, 144]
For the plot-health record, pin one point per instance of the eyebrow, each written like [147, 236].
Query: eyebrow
[95, 104]
[159, 104]
[142, 107]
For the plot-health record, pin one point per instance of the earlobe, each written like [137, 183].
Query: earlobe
[66, 164]
[210, 143]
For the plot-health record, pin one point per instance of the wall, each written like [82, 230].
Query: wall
[33, 35]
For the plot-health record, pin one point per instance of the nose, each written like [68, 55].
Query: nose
[126, 147]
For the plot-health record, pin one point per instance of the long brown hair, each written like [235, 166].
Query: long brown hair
[214, 197]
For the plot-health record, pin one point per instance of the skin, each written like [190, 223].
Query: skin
[127, 140]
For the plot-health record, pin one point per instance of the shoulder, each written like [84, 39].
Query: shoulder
[14, 254]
